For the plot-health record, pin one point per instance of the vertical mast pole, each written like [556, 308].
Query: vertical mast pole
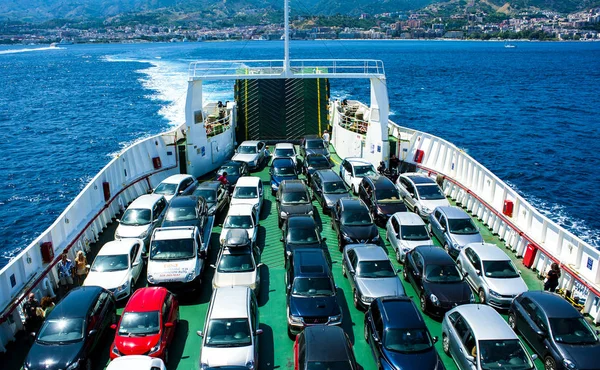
[286, 61]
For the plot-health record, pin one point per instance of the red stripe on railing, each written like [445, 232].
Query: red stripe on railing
[515, 228]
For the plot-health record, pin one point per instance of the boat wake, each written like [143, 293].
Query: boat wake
[26, 50]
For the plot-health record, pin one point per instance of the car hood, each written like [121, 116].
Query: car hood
[431, 204]
[584, 356]
[231, 356]
[195, 222]
[49, 357]
[391, 208]
[245, 157]
[107, 280]
[225, 279]
[278, 179]
[314, 306]
[130, 231]
[464, 239]
[360, 233]
[177, 270]
[250, 201]
[412, 244]
[420, 360]
[135, 345]
[513, 286]
[312, 169]
[330, 199]
[293, 246]
[452, 293]
[296, 209]
[380, 287]
[322, 151]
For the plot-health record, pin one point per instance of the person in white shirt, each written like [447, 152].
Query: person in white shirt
[326, 138]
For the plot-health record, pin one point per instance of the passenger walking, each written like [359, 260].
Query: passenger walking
[223, 179]
[33, 321]
[326, 138]
[65, 274]
[551, 281]
[81, 267]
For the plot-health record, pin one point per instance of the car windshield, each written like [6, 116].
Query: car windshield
[573, 330]
[414, 232]
[247, 149]
[228, 333]
[462, 226]
[295, 197]
[407, 340]
[334, 187]
[245, 192]
[328, 365]
[284, 152]
[284, 169]
[231, 170]
[364, 170]
[241, 262]
[312, 287]
[315, 144]
[356, 217]
[238, 222]
[297, 235]
[175, 249]
[62, 330]
[318, 162]
[139, 324]
[165, 189]
[375, 269]
[209, 194]
[117, 262]
[387, 195]
[181, 213]
[430, 192]
[503, 354]
[499, 269]
[442, 274]
[136, 217]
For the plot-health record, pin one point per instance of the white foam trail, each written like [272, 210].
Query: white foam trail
[29, 49]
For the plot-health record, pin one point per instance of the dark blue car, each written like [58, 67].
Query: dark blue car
[282, 169]
[398, 337]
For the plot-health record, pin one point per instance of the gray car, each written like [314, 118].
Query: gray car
[406, 231]
[370, 273]
[491, 274]
[477, 337]
[253, 153]
[420, 193]
[327, 187]
[453, 228]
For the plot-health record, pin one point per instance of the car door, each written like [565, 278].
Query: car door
[408, 193]
[351, 262]
[417, 271]
[444, 230]
[347, 173]
[532, 322]
[473, 268]
[136, 262]
[459, 334]
[377, 336]
[166, 317]
[393, 233]
[435, 227]
[261, 153]
[335, 217]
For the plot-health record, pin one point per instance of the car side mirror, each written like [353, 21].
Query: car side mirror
[113, 326]
[200, 333]
[118, 220]
[435, 339]
[213, 265]
[169, 325]
[260, 265]
[534, 357]
[398, 271]
[540, 333]
[375, 338]
[478, 272]
[259, 331]
[281, 239]
[288, 288]
[92, 332]
[324, 240]
[470, 359]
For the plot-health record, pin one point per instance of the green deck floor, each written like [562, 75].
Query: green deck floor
[275, 346]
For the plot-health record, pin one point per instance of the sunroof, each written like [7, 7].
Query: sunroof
[311, 269]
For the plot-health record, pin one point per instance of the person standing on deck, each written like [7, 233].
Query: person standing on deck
[65, 273]
[223, 179]
[326, 138]
[81, 267]
[551, 282]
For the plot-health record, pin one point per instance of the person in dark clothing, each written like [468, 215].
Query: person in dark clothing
[394, 163]
[551, 282]
[32, 320]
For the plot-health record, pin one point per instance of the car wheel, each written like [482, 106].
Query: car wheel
[481, 295]
[344, 274]
[512, 321]
[398, 256]
[355, 299]
[423, 302]
[404, 273]
[549, 363]
[446, 344]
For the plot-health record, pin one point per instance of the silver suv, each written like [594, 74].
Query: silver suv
[421, 193]
[453, 228]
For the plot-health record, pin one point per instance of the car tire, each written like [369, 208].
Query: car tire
[446, 344]
[549, 363]
[344, 274]
[290, 334]
[398, 256]
[481, 295]
[404, 273]
[423, 303]
[512, 321]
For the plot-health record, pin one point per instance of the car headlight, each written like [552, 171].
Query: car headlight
[115, 351]
[336, 318]
[472, 299]
[117, 236]
[434, 299]
[426, 209]
[212, 209]
[295, 319]
[310, 213]
[144, 234]
[189, 277]
[367, 299]
[203, 366]
[568, 364]
[73, 366]
[122, 287]
[155, 348]
[252, 163]
[493, 293]
[250, 365]
[150, 278]
[405, 249]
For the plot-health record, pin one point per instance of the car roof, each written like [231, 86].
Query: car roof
[248, 181]
[325, 343]
[145, 201]
[356, 160]
[554, 306]
[138, 362]
[250, 143]
[230, 302]
[146, 299]
[400, 312]
[453, 212]
[312, 137]
[328, 175]
[209, 185]
[293, 185]
[349, 204]
[366, 252]
[301, 221]
[419, 178]
[174, 232]
[175, 179]
[280, 160]
[76, 302]
[284, 146]
[485, 322]
[434, 255]
[315, 155]
[184, 200]
[409, 219]
[380, 181]
[241, 209]
[118, 246]
[488, 252]
[310, 262]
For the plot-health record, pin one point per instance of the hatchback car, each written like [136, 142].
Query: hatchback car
[285, 150]
[69, 336]
[555, 330]
[491, 274]
[323, 347]
[327, 187]
[282, 169]
[370, 274]
[141, 218]
[352, 171]
[293, 199]
[301, 231]
[238, 263]
[453, 228]
[253, 153]
[216, 195]
[230, 336]
[436, 279]
[147, 325]
[315, 162]
[117, 267]
[381, 197]
[176, 185]
[248, 190]
[136, 362]
[421, 193]
[241, 216]
[234, 169]
[188, 210]
[351, 220]
[313, 144]
[406, 231]
[477, 337]
[398, 336]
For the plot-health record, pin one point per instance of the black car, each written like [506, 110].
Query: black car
[436, 279]
[71, 333]
[351, 220]
[381, 196]
[313, 144]
[216, 195]
[292, 199]
[282, 169]
[398, 337]
[186, 210]
[327, 187]
[315, 162]
[310, 291]
[324, 347]
[234, 169]
[555, 330]
[301, 231]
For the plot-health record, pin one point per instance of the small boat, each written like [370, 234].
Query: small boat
[508, 45]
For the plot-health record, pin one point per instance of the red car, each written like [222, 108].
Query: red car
[147, 325]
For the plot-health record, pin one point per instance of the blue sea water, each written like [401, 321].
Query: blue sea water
[529, 114]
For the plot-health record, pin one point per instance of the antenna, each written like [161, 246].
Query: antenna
[286, 60]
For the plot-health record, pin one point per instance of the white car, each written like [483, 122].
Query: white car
[176, 185]
[253, 153]
[141, 218]
[406, 231]
[238, 262]
[352, 171]
[241, 216]
[285, 150]
[117, 267]
[248, 190]
[136, 362]
[231, 330]
[420, 193]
